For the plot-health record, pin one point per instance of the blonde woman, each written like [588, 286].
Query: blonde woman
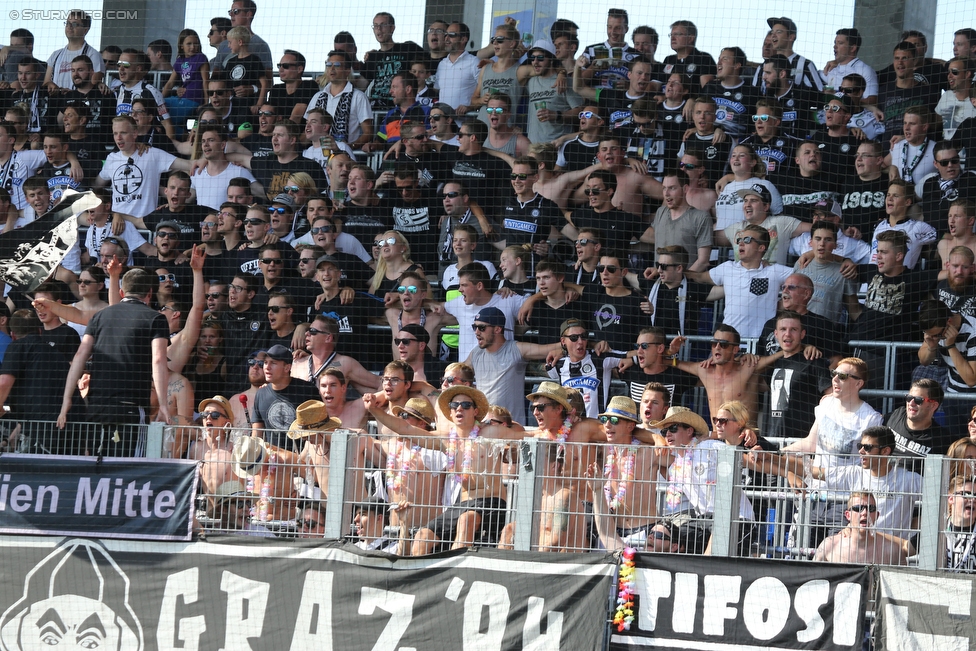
[393, 261]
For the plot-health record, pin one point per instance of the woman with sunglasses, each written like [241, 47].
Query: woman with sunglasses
[301, 187]
[502, 75]
[393, 261]
[748, 171]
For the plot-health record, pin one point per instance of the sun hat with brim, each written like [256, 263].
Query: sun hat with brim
[682, 416]
[220, 401]
[248, 455]
[480, 401]
[418, 408]
[553, 391]
[312, 417]
[622, 407]
[229, 489]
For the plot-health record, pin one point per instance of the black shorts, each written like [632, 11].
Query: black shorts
[490, 509]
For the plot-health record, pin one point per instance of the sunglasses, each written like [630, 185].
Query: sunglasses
[660, 535]
[847, 91]
[273, 210]
[519, 177]
[86, 282]
[166, 235]
[207, 224]
[499, 39]
[255, 362]
[321, 229]
[124, 64]
[334, 64]
[918, 400]
[291, 189]
[268, 114]
[270, 261]
[253, 221]
[392, 381]
[275, 309]
[665, 266]
[310, 524]
[587, 115]
[216, 295]
[437, 118]
[647, 344]
[452, 34]
[451, 379]
[609, 268]
[316, 331]
[868, 447]
[748, 239]
[451, 195]
[164, 277]
[388, 241]
[761, 118]
[722, 344]
[493, 110]
[613, 420]
[946, 162]
[306, 260]
[461, 404]
[843, 376]
[857, 508]
[575, 338]
[591, 191]
[687, 166]
[721, 421]
[541, 406]
[537, 57]
[422, 136]
[955, 71]
[407, 289]
[285, 66]
[217, 91]
[833, 108]
[403, 342]
[584, 241]
[480, 327]
[673, 428]
[966, 495]
[213, 415]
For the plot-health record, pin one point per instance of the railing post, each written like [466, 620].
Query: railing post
[525, 522]
[338, 463]
[724, 524]
[931, 522]
[155, 436]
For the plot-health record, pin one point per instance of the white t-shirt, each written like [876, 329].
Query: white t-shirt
[354, 111]
[60, 64]
[212, 190]
[838, 433]
[895, 494]
[135, 180]
[465, 315]
[912, 163]
[457, 80]
[854, 67]
[780, 229]
[728, 205]
[953, 111]
[344, 243]
[691, 480]
[750, 294]
[95, 234]
[919, 234]
[857, 251]
[451, 279]
[19, 168]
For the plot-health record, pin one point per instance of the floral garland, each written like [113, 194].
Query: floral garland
[561, 435]
[394, 477]
[452, 452]
[624, 615]
[614, 501]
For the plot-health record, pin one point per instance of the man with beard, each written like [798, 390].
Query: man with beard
[917, 435]
[677, 223]
[208, 187]
[796, 101]
[101, 106]
[653, 366]
[275, 403]
[957, 290]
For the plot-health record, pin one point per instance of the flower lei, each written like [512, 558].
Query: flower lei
[394, 477]
[562, 434]
[452, 447]
[614, 501]
[624, 615]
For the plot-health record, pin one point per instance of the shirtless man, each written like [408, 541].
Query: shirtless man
[314, 424]
[269, 472]
[320, 344]
[962, 215]
[255, 375]
[625, 501]
[632, 186]
[397, 381]
[179, 401]
[411, 308]
[858, 542]
[724, 375]
[472, 465]
[414, 473]
[332, 389]
[214, 449]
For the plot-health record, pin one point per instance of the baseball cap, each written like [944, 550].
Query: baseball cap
[784, 21]
[491, 316]
[418, 331]
[758, 190]
[280, 353]
[828, 207]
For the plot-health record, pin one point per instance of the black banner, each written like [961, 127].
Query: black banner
[692, 602]
[30, 254]
[111, 498]
[925, 611]
[241, 594]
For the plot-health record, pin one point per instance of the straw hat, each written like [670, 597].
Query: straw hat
[248, 455]
[682, 416]
[311, 417]
[554, 391]
[480, 401]
[419, 408]
[221, 402]
[622, 407]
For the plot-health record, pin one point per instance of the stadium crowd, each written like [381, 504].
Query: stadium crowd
[529, 208]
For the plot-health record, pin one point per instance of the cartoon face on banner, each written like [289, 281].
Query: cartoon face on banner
[77, 598]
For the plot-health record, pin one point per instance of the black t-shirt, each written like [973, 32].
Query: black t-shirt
[121, 358]
[716, 154]
[433, 167]
[930, 72]
[354, 272]
[863, 204]
[778, 153]
[799, 105]
[734, 106]
[547, 320]
[668, 304]
[417, 222]
[618, 227]
[837, 156]
[486, 177]
[614, 319]
[696, 65]
[257, 143]
[827, 336]
[962, 301]
[189, 220]
[246, 71]
[365, 222]
[100, 106]
[380, 67]
[58, 179]
[40, 371]
[353, 320]
[891, 306]
[936, 197]
[672, 121]
[615, 105]
[284, 103]
[91, 153]
[273, 175]
[302, 292]
[917, 444]
[529, 223]
[275, 409]
[796, 385]
[894, 101]
[677, 382]
[579, 155]
[965, 135]
[801, 193]
[244, 332]
[651, 146]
